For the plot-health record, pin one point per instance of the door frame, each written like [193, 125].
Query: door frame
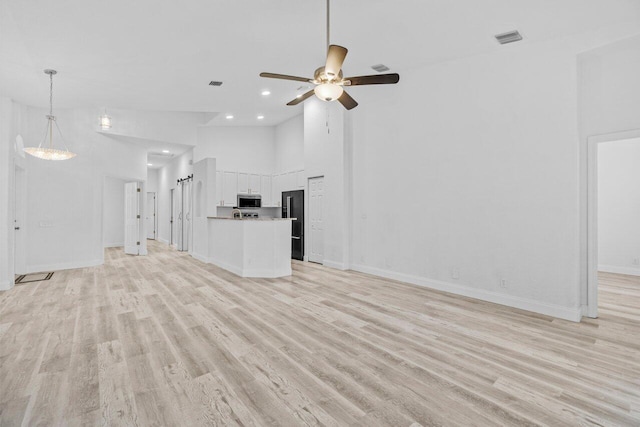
[592, 213]
[19, 239]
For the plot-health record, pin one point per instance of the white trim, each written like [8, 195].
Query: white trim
[573, 314]
[248, 272]
[62, 266]
[592, 212]
[165, 241]
[334, 264]
[200, 258]
[114, 245]
[5, 285]
[619, 270]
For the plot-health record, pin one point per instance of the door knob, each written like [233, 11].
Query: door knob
[16, 228]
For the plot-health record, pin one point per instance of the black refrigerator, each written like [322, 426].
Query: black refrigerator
[293, 207]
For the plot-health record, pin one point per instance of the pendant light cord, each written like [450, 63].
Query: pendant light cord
[51, 94]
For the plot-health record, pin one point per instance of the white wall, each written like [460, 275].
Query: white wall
[243, 149]
[326, 153]
[619, 207]
[64, 199]
[113, 212]
[153, 177]
[289, 145]
[472, 166]
[608, 102]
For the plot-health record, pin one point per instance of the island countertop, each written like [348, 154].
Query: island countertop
[251, 219]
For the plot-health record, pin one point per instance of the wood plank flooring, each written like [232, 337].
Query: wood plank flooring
[166, 340]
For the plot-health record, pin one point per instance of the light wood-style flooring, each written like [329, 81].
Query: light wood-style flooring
[166, 340]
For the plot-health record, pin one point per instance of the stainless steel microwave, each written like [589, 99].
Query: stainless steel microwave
[249, 201]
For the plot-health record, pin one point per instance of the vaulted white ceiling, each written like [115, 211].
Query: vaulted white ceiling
[161, 54]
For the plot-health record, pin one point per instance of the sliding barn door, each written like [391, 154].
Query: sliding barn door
[131, 218]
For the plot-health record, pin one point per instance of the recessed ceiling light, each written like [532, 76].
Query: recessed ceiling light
[266, 92]
[165, 151]
[260, 117]
[149, 164]
[229, 116]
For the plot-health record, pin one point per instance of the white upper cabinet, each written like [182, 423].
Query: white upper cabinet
[229, 188]
[219, 194]
[300, 181]
[254, 184]
[265, 190]
[243, 182]
[270, 187]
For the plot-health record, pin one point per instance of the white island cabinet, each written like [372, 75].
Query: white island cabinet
[253, 247]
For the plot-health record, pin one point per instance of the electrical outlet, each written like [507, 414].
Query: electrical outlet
[503, 283]
[455, 273]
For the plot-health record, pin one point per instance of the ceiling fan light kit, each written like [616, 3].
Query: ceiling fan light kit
[328, 80]
[48, 152]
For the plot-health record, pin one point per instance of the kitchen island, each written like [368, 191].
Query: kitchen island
[251, 247]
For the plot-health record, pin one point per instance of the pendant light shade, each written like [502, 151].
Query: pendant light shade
[48, 152]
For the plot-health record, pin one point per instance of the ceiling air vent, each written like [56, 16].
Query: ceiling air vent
[215, 83]
[510, 37]
[380, 68]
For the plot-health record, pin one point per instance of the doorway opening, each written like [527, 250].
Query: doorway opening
[613, 216]
[316, 219]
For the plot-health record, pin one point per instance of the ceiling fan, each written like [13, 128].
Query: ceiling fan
[329, 81]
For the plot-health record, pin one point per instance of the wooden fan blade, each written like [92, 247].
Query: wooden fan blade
[299, 99]
[347, 101]
[378, 79]
[285, 77]
[335, 58]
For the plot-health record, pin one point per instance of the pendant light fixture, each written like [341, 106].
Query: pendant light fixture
[48, 152]
[105, 121]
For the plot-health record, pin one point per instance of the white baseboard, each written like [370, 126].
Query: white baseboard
[63, 266]
[5, 285]
[334, 264]
[201, 258]
[249, 272]
[165, 241]
[573, 314]
[630, 271]
[113, 245]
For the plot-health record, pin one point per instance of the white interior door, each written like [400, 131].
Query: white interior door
[178, 217]
[316, 219]
[131, 218]
[19, 255]
[187, 216]
[151, 215]
[172, 216]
